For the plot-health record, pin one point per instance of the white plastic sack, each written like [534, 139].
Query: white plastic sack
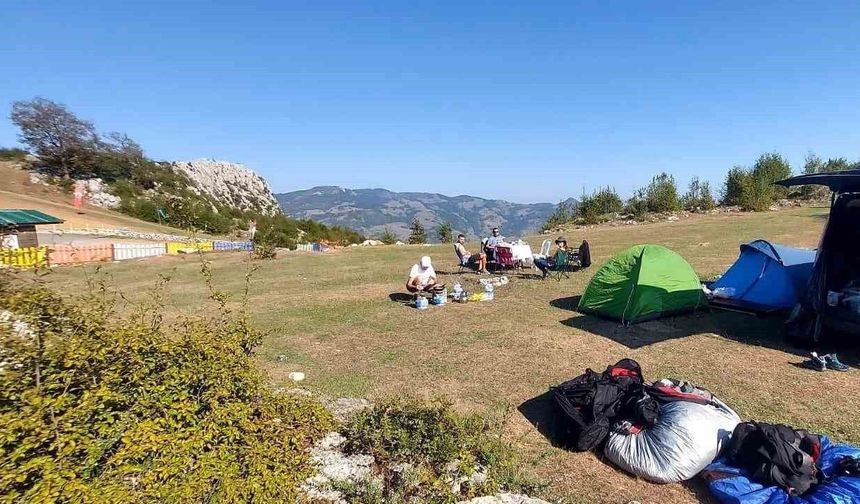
[686, 438]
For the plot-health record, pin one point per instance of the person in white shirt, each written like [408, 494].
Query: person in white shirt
[422, 277]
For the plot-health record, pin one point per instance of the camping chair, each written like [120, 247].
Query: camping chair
[504, 259]
[544, 249]
[460, 266]
[564, 263]
[492, 259]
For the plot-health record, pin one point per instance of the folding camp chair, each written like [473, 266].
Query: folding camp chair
[564, 263]
[544, 250]
[460, 266]
[505, 259]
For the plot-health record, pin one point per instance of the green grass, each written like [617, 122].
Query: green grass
[330, 316]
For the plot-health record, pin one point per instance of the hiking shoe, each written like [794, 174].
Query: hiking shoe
[832, 362]
[817, 363]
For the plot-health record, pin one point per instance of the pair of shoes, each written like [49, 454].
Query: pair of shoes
[825, 362]
[832, 362]
[817, 363]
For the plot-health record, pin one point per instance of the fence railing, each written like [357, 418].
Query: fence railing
[62, 254]
[27, 257]
[123, 251]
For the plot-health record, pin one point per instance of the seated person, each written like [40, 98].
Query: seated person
[547, 264]
[477, 262]
[422, 277]
[492, 242]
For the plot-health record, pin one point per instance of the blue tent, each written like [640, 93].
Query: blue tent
[766, 277]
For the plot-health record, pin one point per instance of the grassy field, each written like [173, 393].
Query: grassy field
[335, 317]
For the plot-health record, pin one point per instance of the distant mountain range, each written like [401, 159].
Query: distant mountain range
[371, 211]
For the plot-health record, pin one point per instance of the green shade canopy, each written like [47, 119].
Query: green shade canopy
[20, 217]
[641, 283]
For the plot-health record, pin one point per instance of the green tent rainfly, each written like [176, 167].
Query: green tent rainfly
[642, 283]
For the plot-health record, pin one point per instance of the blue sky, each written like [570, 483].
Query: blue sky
[529, 101]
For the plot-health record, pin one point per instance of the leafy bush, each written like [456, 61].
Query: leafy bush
[598, 205]
[767, 169]
[563, 214]
[95, 407]
[753, 189]
[434, 440]
[388, 237]
[264, 251]
[699, 196]
[661, 195]
[12, 154]
[637, 205]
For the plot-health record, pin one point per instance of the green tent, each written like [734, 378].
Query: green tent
[641, 283]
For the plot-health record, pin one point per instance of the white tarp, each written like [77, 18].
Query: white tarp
[686, 438]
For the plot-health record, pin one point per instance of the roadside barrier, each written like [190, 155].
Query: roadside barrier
[62, 254]
[174, 248]
[73, 254]
[222, 245]
[123, 251]
[28, 257]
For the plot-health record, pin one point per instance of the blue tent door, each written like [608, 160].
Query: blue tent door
[767, 276]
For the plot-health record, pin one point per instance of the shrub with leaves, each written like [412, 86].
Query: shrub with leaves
[661, 195]
[599, 205]
[12, 154]
[699, 196]
[95, 407]
[439, 446]
[564, 213]
[637, 205]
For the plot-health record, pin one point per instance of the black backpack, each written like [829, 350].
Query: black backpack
[775, 454]
[584, 254]
[593, 401]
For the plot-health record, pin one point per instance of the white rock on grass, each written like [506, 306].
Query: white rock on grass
[344, 408]
[334, 466]
[505, 498]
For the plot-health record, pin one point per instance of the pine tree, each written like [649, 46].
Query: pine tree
[387, 237]
[417, 234]
[445, 233]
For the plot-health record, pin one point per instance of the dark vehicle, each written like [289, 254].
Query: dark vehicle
[832, 301]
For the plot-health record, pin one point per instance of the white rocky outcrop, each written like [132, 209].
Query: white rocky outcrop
[98, 195]
[230, 184]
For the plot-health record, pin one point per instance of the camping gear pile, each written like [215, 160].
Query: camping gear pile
[670, 431]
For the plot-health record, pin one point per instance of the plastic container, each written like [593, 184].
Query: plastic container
[439, 298]
[421, 302]
[488, 292]
[458, 291]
